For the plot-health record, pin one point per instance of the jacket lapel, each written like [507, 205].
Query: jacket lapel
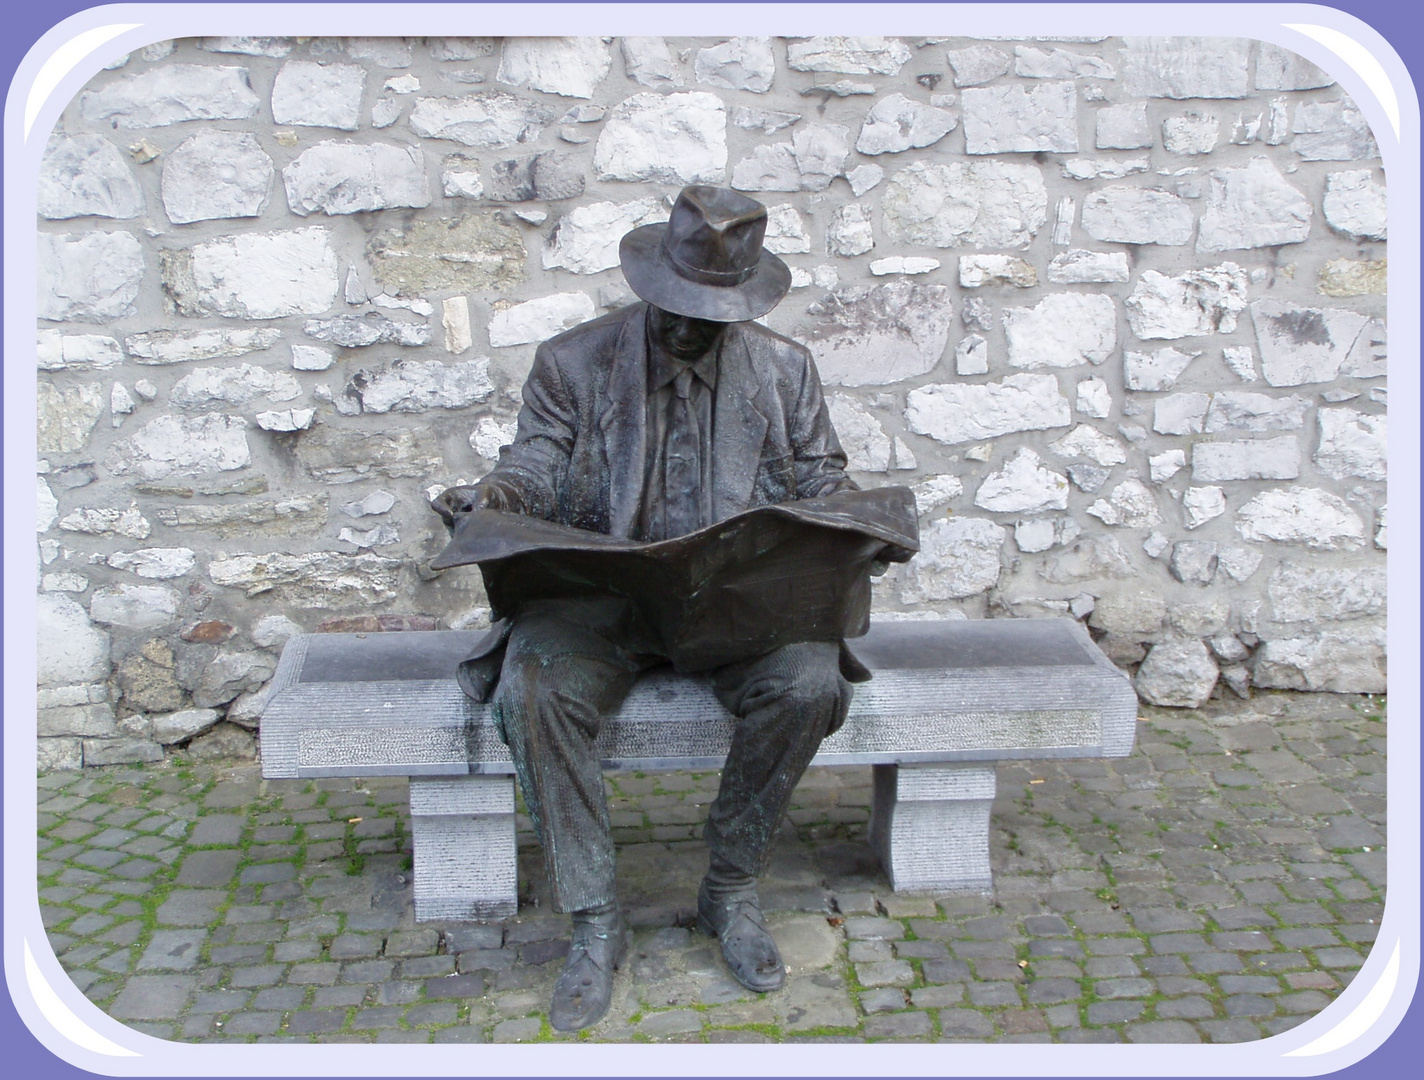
[739, 426]
[623, 423]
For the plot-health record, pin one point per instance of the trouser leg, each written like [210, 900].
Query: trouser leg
[785, 702]
[558, 681]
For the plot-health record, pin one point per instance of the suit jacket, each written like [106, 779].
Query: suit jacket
[579, 456]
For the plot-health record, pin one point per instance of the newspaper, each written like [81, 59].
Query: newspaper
[767, 577]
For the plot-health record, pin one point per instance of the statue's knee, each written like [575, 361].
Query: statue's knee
[807, 676]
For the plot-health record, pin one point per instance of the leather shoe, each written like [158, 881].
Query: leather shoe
[735, 919]
[585, 987]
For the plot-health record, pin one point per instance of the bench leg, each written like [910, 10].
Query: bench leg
[930, 826]
[466, 866]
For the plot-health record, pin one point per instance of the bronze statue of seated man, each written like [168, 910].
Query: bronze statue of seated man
[649, 423]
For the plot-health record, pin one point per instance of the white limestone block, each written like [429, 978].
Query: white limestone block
[232, 386]
[414, 386]
[903, 264]
[85, 175]
[1078, 267]
[567, 66]
[1248, 459]
[1301, 592]
[1201, 504]
[879, 335]
[1162, 467]
[967, 412]
[89, 277]
[1094, 398]
[649, 62]
[67, 415]
[491, 435]
[1132, 215]
[896, 123]
[318, 95]
[217, 174]
[1304, 345]
[1240, 410]
[1332, 131]
[664, 138]
[264, 275]
[182, 446]
[1056, 63]
[1186, 67]
[346, 178]
[1355, 205]
[959, 557]
[866, 445]
[157, 563]
[849, 232]
[1240, 361]
[1352, 444]
[971, 356]
[977, 64]
[1130, 504]
[310, 358]
[134, 607]
[108, 521]
[1277, 68]
[976, 271]
[1201, 301]
[1087, 442]
[1252, 207]
[586, 239]
[47, 506]
[848, 55]
[1178, 674]
[71, 649]
[864, 177]
[1191, 134]
[489, 118]
[985, 204]
[286, 419]
[813, 157]
[1180, 414]
[1023, 485]
[1021, 119]
[1103, 168]
[1062, 330]
[171, 94]
[742, 63]
[1301, 515]
[539, 319]
[1123, 127]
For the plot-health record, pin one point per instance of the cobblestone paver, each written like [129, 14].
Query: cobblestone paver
[1222, 883]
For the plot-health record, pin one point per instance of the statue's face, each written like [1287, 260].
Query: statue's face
[684, 337]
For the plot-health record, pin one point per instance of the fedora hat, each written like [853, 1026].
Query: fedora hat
[706, 261]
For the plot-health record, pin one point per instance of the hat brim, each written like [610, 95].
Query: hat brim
[655, 280]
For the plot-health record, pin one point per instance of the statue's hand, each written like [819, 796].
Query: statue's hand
[486, 495]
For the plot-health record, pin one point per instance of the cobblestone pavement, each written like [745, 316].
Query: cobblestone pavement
[1222, 883]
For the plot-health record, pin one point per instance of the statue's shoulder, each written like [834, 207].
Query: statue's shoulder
[768, 347]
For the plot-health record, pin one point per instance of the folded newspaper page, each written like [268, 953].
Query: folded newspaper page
[767, 577]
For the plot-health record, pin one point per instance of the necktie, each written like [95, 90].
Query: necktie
[683, 473]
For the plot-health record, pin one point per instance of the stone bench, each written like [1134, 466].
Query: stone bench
[949, 699]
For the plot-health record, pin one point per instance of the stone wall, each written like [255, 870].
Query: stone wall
[1113, 307]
